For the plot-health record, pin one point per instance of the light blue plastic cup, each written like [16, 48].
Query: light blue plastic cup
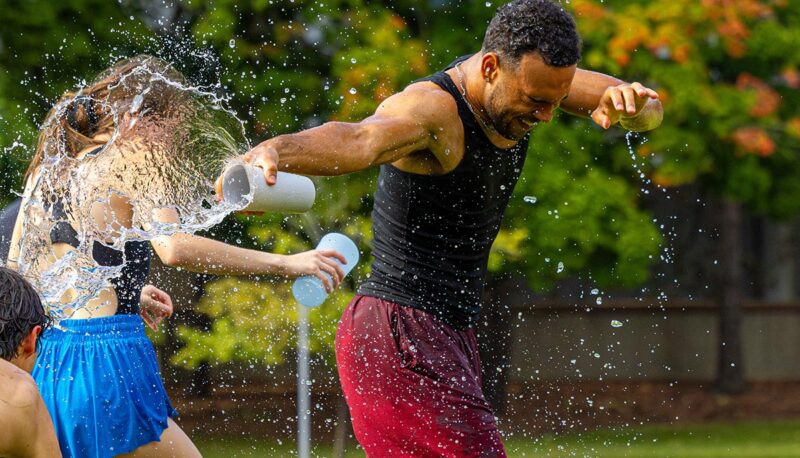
[309, 290]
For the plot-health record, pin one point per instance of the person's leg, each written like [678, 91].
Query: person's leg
[173, 443]
[412, 384]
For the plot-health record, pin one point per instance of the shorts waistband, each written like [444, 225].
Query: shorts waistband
[108, 326]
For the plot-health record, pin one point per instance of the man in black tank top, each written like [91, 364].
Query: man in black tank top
[451, 148]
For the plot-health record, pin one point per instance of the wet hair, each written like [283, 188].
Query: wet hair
[527, 26]
[20, 311]
[89, 112]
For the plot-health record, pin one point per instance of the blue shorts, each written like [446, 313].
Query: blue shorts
[100, 381]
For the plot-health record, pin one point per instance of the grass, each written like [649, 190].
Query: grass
[779, 439]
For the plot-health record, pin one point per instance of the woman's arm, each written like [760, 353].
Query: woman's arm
[200, 254]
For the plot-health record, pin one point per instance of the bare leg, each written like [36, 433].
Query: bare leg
[174, 444]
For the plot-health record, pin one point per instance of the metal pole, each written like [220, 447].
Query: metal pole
[303, 386]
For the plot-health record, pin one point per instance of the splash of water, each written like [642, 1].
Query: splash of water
[170, 142]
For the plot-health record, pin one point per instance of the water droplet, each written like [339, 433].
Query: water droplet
[232, 43]
[353, 90]
[560, 267]
[599, 300]
[529, 199]
[616, 324]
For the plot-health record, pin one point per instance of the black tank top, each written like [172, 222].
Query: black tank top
[128, 285]
[432, 234]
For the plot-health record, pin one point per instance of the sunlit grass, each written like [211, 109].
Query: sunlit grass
[780, 439]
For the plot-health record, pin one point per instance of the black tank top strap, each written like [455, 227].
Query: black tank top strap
[443, 80]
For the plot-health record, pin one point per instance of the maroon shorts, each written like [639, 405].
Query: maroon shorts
[413, 384]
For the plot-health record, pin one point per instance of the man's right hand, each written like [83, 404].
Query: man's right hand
[265, 156]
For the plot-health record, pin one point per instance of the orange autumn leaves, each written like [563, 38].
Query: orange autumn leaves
[666, 27]
[753, 139]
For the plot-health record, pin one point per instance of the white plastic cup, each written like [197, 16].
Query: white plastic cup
[290, 194]
[309, 290]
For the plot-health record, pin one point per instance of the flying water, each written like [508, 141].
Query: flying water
[170, 141]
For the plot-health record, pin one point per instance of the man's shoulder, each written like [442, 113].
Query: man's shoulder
[427, 100]
[20, 407]
[430, 93]
[18, 390]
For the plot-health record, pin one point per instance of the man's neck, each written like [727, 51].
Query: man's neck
[472, 88]
[10, 366]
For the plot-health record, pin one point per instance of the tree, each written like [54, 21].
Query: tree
[727, 72]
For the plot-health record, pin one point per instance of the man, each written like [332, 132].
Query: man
[27, 429]
[451, 148]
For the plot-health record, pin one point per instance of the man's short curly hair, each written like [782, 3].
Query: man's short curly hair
[542, 26]
[20, 311]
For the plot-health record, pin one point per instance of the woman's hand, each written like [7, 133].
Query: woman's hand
[316, 263]
[154, 306]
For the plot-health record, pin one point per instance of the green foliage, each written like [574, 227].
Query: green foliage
[255, 321]
[46, 48]
[584, 216]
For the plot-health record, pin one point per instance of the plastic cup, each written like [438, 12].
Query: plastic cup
[290, 194]
[309, 290]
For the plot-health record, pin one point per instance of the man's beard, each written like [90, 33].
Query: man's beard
[500, 119]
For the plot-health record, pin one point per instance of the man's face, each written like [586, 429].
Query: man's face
[523, 96]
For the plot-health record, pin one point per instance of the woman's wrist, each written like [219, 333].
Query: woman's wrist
[273, 264]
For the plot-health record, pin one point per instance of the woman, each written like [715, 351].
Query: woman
[98, 373]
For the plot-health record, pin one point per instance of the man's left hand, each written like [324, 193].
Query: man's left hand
[622, 102]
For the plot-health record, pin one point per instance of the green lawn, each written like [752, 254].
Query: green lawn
[751, 440]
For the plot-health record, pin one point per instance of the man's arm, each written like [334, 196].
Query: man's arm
[410, 121]
[608, 101]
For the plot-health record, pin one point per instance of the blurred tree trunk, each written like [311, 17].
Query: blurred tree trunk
[343, 429]
[730, 377]
[778, 263]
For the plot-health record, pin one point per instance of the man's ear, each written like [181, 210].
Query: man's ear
[489, 66]
[28, 345]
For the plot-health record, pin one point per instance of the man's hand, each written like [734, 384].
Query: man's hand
[264, 156]
[154, 306]
[625, 101]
